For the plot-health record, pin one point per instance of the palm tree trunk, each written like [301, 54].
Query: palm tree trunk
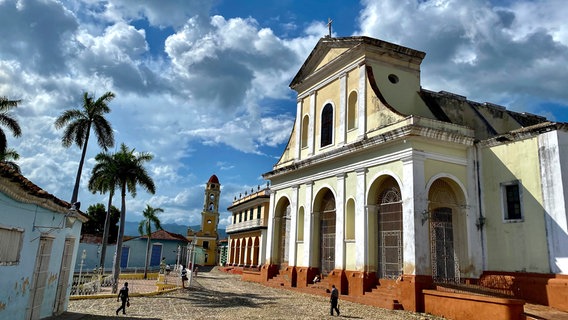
[116, 269]
[80, 169]
[105, 234]
[147, 256]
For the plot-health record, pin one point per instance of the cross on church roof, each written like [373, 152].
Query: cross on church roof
[329, 22]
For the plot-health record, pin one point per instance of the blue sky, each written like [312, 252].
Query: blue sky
[204, 85]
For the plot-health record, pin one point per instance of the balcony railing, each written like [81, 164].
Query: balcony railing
[240, 226]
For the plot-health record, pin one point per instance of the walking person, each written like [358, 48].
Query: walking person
[334, 300]
[183, 276]
[123, 295]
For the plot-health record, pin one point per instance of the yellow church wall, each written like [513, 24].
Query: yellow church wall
[514, 244]
[332, 54]
[327, 94]
[300, 254]
[305, 110]
[350, 255]
[403, 95]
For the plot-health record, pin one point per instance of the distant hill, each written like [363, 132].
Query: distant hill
[131, 229]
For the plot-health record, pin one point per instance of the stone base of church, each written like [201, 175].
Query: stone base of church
[409, 292]
[539, 288]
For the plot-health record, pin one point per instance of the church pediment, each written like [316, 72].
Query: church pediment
[338, 50]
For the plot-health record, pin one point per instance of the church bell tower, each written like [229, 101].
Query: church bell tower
[210, 213]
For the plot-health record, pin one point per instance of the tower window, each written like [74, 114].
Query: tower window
[326, 125]
[205, 244]
[211, 207]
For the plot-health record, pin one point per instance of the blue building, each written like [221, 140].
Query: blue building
[39, 237]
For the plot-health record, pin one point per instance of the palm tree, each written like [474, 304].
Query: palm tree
[145, 228]
[78, 125]
[7, 121]
[130, 172]
[9, 156]
[103, 180]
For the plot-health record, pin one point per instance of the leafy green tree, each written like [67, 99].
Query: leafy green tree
[130, 173]
[8, 121]
[78, 124]
[9, 156]
[145, 229]
[97, 218]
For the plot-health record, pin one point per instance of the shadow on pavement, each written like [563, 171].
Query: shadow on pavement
[82, 316]
[200, 296]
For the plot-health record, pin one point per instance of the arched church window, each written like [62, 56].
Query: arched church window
[304, 132]
[352, 111]
[211, 207]
[326, 125]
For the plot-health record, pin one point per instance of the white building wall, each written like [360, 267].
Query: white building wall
[553, 154]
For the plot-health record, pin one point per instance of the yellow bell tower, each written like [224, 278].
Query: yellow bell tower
[207, 237]
[210, 213]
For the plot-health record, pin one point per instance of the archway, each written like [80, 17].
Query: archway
[390, 230]
[448, 235]
[281, 232]
[327, 220]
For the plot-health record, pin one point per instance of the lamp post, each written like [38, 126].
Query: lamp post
[83, 257]
[193, 243]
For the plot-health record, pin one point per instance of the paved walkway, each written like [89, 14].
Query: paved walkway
[217, 295]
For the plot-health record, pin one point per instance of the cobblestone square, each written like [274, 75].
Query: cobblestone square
[217, 295]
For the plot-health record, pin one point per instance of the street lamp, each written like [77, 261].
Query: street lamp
[194, 242]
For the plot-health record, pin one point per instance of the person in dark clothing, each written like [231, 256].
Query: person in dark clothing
[123, 295]
[183, 276]
[333, 300]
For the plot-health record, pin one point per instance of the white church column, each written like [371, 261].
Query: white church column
[553, 157]
[340, 223]
[414, 201]
[341, 136]
[362, 103]
[298, 126]
[308, 223]
[311, 136]
[293, 227]
[361, 222]
[270, 240]
[262, 244]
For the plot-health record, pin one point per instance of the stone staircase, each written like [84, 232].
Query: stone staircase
[384, 295]
[280, 280]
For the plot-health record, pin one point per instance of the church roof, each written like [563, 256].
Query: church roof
[213, 179]
[326, 44]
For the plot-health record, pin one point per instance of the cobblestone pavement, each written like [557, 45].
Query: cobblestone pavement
[217, 295]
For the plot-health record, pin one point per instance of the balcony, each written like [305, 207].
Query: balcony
[245, 225]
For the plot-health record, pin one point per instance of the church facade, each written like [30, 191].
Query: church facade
[206, 239]
[387, 188]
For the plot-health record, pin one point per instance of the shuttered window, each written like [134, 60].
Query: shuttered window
[11, 240]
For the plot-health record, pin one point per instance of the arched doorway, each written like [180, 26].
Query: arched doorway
[445, 267]
[390, 230]
[327, 233]
[281, 247]
[448, 234]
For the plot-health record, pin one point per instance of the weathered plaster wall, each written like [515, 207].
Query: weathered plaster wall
[17, 279]
[514, 246]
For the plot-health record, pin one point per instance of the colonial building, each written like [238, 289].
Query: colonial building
[248, 229]
[207, 237]
[388, 189]
[39, 236]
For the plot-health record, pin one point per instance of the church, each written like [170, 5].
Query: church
[401, 196]
[206, 239]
